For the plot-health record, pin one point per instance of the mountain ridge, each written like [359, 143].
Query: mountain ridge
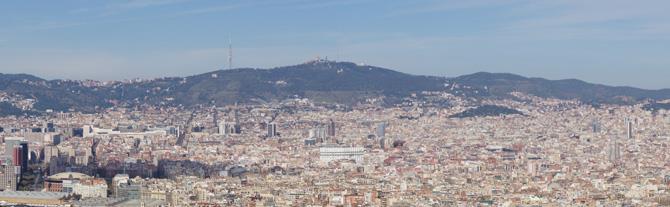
[321, 81]
[562, 88]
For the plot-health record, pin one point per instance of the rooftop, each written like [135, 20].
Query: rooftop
[32, 194]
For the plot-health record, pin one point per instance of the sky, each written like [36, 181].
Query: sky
[614, 42]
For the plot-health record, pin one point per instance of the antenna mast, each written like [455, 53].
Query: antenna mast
[230, 54]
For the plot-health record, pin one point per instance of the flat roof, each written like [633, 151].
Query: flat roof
[32, 194]
[68, 175]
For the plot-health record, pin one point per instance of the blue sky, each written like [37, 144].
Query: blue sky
[616, 42]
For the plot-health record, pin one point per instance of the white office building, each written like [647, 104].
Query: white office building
[331, 153]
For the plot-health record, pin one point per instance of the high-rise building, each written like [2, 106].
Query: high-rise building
[629, 128]
[331, 128]
[595, 126]
[381, 129]
[225, 128]
[17, 159]
[271, 129]
[10, 142]
[16, 149]
[382, 143]
[614, 151]
[228, 127]
[222, 128]
[50, 152]
[24, 155]
[236, 129]
[321, 132]
[9, 177]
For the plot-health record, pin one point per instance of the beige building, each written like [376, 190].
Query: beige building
[91, 188]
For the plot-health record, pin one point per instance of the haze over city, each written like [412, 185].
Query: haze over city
[114, 40]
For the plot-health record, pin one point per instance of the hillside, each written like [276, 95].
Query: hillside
[320, 81]
[500, 85]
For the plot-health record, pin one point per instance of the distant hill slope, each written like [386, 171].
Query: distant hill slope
[321, 81]
[502, 84]
[340, 82]
[54, 94]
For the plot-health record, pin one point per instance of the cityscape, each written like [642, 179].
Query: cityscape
[300, 153]
[171, 103]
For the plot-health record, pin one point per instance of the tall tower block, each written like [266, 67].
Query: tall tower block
[230, 54]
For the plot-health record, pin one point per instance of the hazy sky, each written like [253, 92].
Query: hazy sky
[617, 42]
